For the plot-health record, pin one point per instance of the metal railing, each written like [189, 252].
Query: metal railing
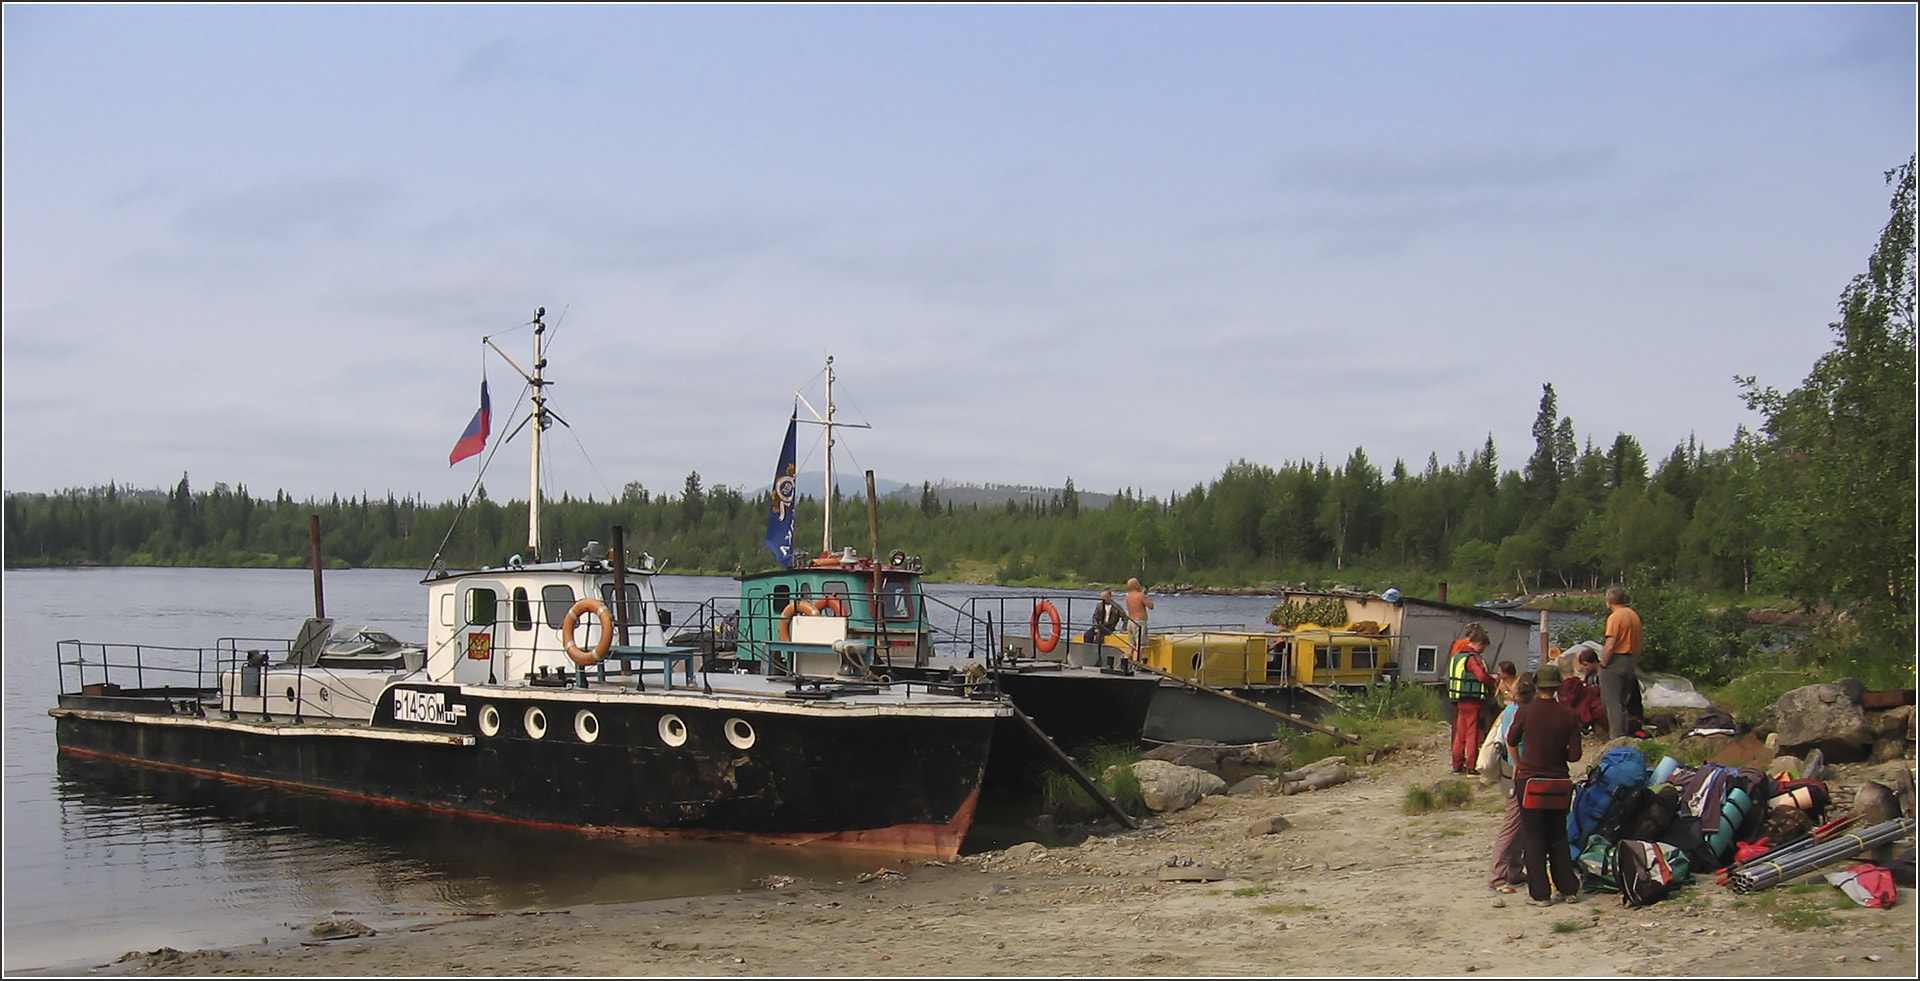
[136, 669]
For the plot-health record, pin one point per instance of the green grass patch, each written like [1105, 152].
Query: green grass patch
[1383, 717]
[1568, 926]
[1062, 796]
[1278, 908]
[1445, 795]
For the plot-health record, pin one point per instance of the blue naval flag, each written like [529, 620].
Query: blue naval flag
[780, 514]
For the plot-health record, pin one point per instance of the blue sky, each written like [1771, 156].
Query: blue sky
[1129, 245]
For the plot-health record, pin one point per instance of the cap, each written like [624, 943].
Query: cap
[1548, 677]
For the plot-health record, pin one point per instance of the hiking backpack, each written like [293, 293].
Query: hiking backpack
[1649, 871]
[1608, 782]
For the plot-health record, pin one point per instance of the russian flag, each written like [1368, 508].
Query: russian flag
[475, 438]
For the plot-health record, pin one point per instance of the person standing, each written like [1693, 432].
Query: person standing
[1468, 684]
[1138, 605]
[1508, 869]
[1624, 641]
[1545, 739]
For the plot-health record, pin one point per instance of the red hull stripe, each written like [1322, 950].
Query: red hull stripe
[937, 841]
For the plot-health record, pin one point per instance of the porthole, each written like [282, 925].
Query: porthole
[292, 696]
[739, 733]
[586, 725]
[536, 723]
[489, 720]
[673, 732]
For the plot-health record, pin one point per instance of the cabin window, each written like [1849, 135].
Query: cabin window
[632, 613]
[896, 601]
[1364, 658]
[557, 600]
[1426, 659]
[782, 596]
[481, 607]
[836, 588]
[1323, 655]
[522, 609]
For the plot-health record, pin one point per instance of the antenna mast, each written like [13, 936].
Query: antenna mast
[540, 423]
[826, 532]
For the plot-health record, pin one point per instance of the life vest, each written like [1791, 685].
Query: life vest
[1462, 684]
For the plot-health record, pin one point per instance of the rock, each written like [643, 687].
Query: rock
[1827, 717]
[1268, 826]
[1252, 787]
[1891, 748]
[1024, 851]
[1875, 803]
[1201, 754]
[1165, 787]
[1702, 747]
[338, 929]
[1192, 873]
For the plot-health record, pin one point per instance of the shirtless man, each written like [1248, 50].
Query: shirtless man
[1137, 606]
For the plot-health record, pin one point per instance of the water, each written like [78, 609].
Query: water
[104, 858]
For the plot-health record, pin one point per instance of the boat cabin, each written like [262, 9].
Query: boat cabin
[510, 624]
[791, 619]
[1308, 655]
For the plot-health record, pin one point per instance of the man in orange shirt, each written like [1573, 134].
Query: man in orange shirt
[1624, 642]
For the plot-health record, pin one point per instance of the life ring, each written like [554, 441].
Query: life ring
[1044, 645]
[831, 601]
[572, 623]
[800, 608]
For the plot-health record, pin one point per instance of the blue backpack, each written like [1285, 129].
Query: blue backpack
[1620, 772]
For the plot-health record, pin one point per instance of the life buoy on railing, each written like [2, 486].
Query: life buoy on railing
[1044, 645]
[833, 602]
[797, 608]
[572, 623]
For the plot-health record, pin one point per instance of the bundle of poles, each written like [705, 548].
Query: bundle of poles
[1812, 852]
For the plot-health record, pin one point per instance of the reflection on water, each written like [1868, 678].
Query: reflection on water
[252, 856]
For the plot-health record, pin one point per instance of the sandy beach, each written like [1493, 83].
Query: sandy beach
[1349, 885]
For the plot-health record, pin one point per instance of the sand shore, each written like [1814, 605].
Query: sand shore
[1351, 886]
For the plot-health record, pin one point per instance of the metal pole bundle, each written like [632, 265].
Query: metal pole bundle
[1775, 869]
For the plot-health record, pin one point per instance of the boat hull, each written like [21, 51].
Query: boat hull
[890, 778]
[1180, 712]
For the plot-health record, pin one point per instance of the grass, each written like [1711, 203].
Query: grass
[1568, 926]
[1805, 906]
[1062, 796]
[1278, 908]
[1447, 794]
[1384, 717]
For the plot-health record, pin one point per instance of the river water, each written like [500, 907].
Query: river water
[101, 858]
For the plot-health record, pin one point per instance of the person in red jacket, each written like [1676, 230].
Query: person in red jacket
[1469, 684]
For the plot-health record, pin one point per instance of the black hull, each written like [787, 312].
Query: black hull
[900, 781]
[1180, 712]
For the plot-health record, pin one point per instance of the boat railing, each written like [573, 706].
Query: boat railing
[1014, 627]
[137, 670]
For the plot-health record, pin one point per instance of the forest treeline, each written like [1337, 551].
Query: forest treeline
[1818, 506]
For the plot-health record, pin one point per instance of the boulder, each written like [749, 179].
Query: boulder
[1827, 717]
[1166, 787]
[1228, 761]
[1268, 826]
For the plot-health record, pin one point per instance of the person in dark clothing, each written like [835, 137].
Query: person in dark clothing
[1545, 738]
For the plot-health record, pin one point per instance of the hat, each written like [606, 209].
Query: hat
[1548, 677]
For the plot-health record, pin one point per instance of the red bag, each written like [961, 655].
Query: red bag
[1868, 884]
[1547, 793]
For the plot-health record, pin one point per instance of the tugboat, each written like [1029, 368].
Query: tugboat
[509, 712]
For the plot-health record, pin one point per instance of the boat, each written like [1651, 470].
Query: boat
[801, 616]
[547, 692]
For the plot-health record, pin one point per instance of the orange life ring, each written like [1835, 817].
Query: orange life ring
[1044, 645]
[831, 601]
[796, 608]
[572, 623]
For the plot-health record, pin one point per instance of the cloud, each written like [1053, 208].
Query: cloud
[338, 207]
[1443, 172]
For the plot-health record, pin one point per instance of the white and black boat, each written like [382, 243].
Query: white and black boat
[546, 693]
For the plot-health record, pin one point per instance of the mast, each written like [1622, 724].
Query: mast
[540, 423]
[826, 534]
[826, 526]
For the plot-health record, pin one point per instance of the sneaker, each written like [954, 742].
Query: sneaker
[1505, 888]
[1569, 897]
[1539, 902]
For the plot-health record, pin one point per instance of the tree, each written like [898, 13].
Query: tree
[1838, 457]
[693, 503]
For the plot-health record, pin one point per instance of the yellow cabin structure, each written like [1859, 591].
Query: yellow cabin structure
[1307, 655]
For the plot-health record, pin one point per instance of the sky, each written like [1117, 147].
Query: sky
[1127, 245]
